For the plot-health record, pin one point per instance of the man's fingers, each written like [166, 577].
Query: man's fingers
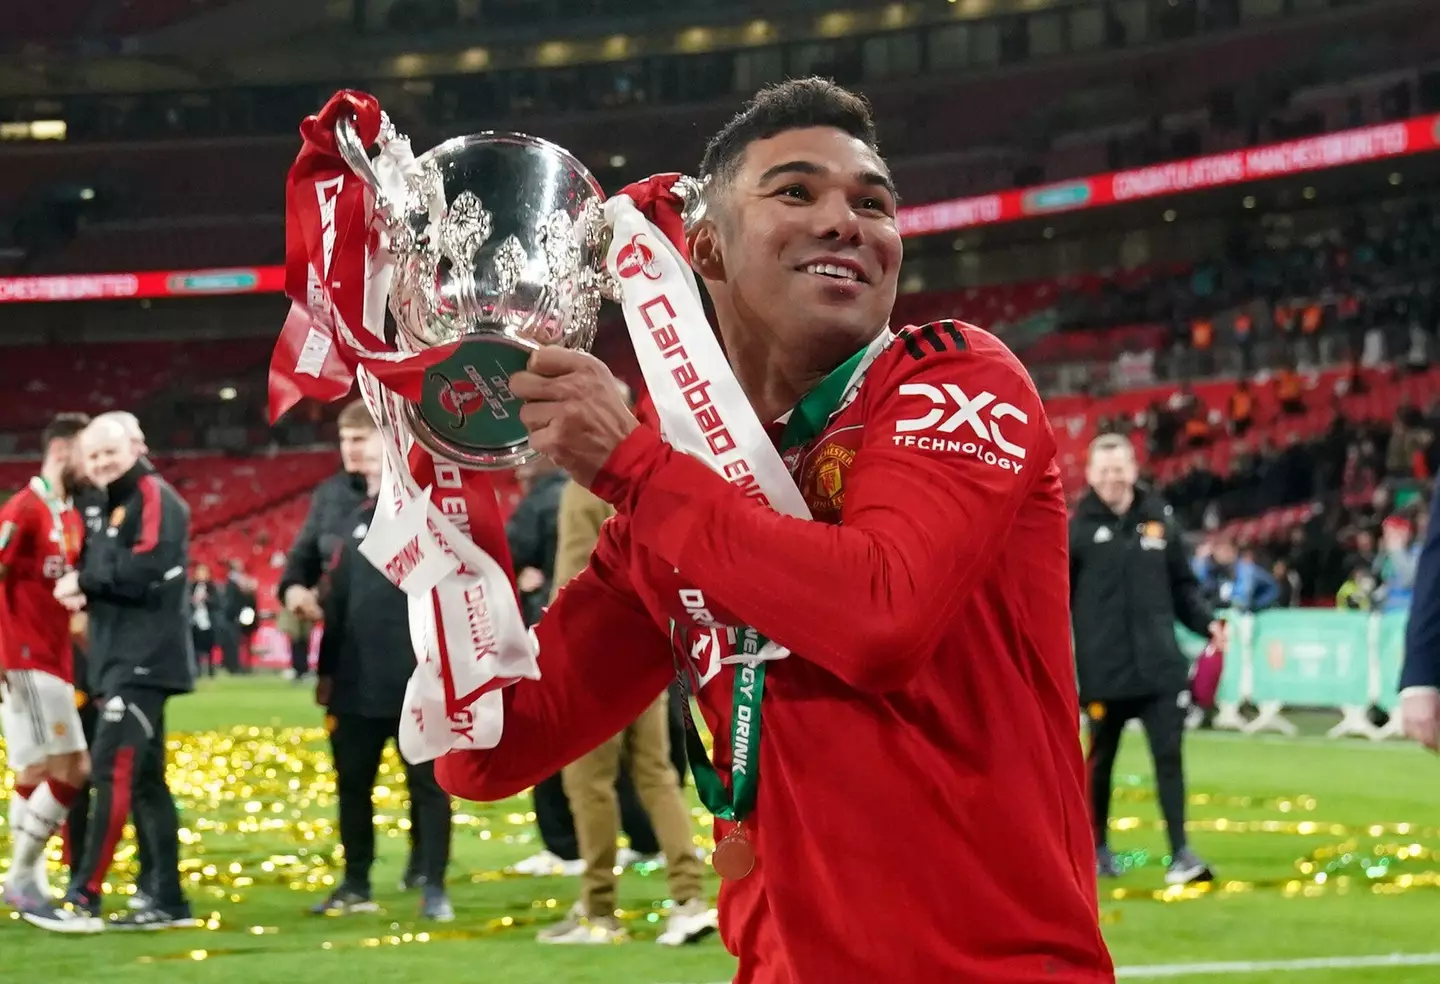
[537, 416]
[532, 387]
[552, 360]
[1423, 729]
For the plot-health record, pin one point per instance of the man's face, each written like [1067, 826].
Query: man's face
[371, 455]
[76, 473]
[807, 234]
[1397, 537]
[72, 461]
[1111, 473]
[353, 442]
[1225, 554]
[108, 455]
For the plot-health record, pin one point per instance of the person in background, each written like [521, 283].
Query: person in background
[229, 602]
[327, 526]
[1130, 582]
[365, 662]
[1233, 580]
[590, 780]
[133, 587]
[204, 612]
[1288, 583]
[1357, 594]
[1396, 564]
[236, 607]
[90, 502]
[532, 533]
[40, 539]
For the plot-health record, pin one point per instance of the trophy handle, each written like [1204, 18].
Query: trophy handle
[354, 153]
[357, 158]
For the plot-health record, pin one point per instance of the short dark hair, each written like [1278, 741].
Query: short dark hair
[791, 105]
[64, 427]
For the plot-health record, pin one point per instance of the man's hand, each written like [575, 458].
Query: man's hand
[80, 628]
[1219, 634]
[67, 584]
[573, 410]
[301, 601]
[67, 591]
[1420, 715]
[530, 579]
[324, 687]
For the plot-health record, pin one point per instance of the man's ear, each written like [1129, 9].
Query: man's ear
[705, 252]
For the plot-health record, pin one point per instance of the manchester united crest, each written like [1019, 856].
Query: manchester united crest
[824, 482]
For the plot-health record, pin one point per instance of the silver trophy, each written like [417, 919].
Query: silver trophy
[499, 241]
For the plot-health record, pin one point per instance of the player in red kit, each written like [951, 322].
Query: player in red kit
[928, 696]
[40, 539]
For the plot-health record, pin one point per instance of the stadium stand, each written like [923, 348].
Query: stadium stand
[190, 180]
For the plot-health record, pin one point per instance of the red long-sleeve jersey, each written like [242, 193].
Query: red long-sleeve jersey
[921, 813]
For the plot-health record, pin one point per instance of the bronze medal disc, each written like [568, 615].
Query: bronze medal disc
[734, 858]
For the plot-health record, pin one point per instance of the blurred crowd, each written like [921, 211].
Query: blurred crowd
[1360, 287]
[1364, 483]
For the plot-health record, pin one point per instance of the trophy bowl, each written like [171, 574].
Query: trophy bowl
[499, 244]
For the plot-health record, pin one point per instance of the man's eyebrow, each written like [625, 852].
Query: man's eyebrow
[874, 178]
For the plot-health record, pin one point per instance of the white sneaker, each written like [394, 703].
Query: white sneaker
[579, 928]
[689, 922]
[546, 864]
[65, 919]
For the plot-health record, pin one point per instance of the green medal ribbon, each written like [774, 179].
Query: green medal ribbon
[806, 422]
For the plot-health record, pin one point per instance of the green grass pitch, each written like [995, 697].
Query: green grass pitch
[1325, 850]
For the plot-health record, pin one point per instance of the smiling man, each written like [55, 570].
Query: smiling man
[132, 584]
[928, 698]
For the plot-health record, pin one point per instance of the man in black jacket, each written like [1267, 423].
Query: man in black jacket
[1130, 581]
[90, 500]
[366, 659]
[133, 584]
[327, 524]
[326, 528]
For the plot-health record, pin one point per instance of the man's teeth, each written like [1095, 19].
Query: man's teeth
[831, 270]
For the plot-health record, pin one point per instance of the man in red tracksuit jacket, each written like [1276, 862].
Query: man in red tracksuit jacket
[929, 698]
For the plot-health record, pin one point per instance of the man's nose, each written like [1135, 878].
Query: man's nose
[836, 220]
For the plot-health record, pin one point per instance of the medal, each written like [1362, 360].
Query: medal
[734, 855]
[734, 858]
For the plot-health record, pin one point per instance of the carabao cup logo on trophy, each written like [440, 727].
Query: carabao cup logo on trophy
[499, 243]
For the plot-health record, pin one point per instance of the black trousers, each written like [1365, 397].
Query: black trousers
[128, 776]
[78, 821]
[557, 824]
[204, 640]
[358, 743]
[300, 655]
[1164, 720]
[228, 639]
